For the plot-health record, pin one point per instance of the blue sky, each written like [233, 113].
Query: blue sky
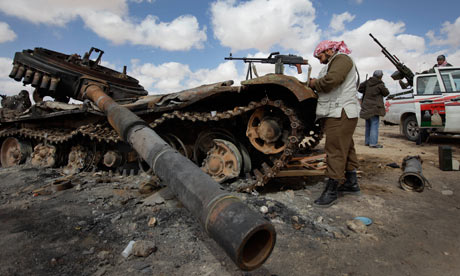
[173, 45]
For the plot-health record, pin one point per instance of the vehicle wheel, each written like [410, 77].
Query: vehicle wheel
[410, 128]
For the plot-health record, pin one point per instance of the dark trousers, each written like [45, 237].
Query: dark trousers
[340, 148]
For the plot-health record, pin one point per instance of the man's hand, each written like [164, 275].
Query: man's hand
[312, 82]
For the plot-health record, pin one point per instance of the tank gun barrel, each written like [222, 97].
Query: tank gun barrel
[245, 235]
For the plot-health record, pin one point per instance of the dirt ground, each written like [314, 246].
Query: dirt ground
[83, 230]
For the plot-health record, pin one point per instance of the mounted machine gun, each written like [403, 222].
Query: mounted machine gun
[402, 70]
[274, 58]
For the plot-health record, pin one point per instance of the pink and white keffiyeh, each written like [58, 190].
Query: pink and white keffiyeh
[334, 45]
[443, 64]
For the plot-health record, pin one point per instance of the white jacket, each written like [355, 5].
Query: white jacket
[342, 97]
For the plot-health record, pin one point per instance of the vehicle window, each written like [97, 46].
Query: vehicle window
[428, 85]
[451, 80]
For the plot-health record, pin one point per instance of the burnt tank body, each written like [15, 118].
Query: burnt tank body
[243, 134]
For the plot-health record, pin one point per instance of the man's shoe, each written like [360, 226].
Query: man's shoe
[350, 186]
[329, 195]
[376, 146]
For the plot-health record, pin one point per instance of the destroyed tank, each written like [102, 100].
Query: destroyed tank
[244, 134]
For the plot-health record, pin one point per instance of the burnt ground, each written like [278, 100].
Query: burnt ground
[83, 230]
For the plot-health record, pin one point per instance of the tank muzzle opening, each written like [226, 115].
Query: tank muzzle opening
[257, 249]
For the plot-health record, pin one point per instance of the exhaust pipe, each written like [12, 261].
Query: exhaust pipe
[14, 70]
[36, 79]
[20, 73]
[45, 82]
[53, 84]
[247, 238]
[28, 76]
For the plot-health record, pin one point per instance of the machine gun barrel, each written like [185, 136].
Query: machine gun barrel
[246, 60]
[403, 70]
[244, 234]
[274, 58]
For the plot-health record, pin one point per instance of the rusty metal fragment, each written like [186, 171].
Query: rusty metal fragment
[300, 90]
[412, 178]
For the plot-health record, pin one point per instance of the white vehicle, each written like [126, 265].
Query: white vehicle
[433, 104]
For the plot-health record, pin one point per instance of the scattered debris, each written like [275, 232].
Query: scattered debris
[143, 248]
[115, 218]
[88, 252]
[149, 185]
[154, 199]
[319, 219]
[152, 222]
[63, 183]
[393, 165]
[103, 255]
[356, 226]
[263, 209]
[41, 191]
[128, 249]
[447, 192]
[367, 221]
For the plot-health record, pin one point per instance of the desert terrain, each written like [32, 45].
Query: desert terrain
[83, 230]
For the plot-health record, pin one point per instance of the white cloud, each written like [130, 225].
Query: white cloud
[262, 24]
[6, 34]
[225, 71]
[359, 2]
[111, 20]
[174, 76]
[164, 78]
[183, 33]
[58, 12]
[6, 64]
[338, 21]
[450, 35]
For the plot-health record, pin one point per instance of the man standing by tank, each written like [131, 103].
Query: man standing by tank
[337, 109]
[372, 106]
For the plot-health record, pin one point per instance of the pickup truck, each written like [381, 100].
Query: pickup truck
[433, 104]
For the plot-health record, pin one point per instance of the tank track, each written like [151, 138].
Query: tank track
[97, 132]
[104, 133]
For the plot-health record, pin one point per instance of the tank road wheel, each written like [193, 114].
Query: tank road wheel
[81, 159]
[112, 159]
[177, 144]
[204, 142]
[223, 161]
[172, 140]
[14, 152]
[44, 156]
[265, 132]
